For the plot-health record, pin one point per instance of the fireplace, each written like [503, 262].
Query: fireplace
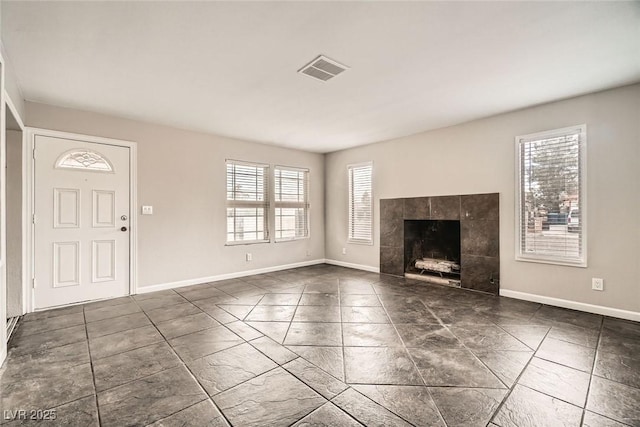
[432, 251]
[477, 219]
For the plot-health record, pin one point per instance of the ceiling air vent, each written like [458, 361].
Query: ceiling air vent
[322, 68]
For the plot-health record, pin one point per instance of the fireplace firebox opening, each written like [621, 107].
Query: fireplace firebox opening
[432, 251]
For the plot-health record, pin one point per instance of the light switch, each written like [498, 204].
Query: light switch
[147, 210]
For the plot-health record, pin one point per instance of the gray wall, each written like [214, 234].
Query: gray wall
[479, 157]
[14, 223]
[182, 174]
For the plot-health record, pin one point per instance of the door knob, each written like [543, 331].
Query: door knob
[123, 229]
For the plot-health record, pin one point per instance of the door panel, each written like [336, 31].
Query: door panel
[104, 208]
[66, 208]
[66, 264]
[103, 261]
[81, 198]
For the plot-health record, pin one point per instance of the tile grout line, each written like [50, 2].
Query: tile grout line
[131, 349]
[202, 311]
[299, 305]
[72, 366]
[26, 318]
[344, 357]
[17, 334]
[515, 382]
[93, 374]
[183, 409]
[406, 349]
[564, 364]
[144, 376]
[152, 323]
[550, 396]
[292, 317]
[344, 411]
[87, 309]
[250, 311]
[593, 368]
[329, 402]
[313, 364]
[428, 388]
[188, 370]
[501, 326]
[245, 341]
[118, 332]
[485, 365]
[211, 285]
[14, 337]
[307, 385]
[384, 285]
[188, 333]
[478, 359]
[373, 402]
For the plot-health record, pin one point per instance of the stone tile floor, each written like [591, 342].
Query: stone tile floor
[323, 345]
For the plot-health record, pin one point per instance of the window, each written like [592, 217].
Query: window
[360, 204]
[550, 197]
[84, 160]
[247, 202]
[291, 203]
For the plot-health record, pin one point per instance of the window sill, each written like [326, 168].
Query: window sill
[291, 240]
[564, 263]
[252, 242]
[361, 242]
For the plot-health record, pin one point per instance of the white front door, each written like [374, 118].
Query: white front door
[81, 231]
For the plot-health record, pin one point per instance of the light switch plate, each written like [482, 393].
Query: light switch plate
[147, 210]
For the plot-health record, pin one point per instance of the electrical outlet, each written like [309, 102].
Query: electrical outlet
[597, 284]
[249, 257]
[344, 251]
[308, 253]
[147, 210]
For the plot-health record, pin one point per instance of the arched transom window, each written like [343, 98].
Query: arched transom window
[84, 160]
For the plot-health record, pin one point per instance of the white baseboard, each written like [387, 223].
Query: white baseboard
[574, 305]
[235, 275]
[351, 265]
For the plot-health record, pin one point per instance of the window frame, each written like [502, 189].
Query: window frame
[306, 205]
[350, 239]
[266, 204]
[582, 197]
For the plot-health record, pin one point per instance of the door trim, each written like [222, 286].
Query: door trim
[3, 200]
[32, 133]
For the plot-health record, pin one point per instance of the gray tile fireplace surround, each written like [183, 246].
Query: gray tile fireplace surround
[479, 234]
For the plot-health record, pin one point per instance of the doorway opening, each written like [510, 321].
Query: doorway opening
[15, 230]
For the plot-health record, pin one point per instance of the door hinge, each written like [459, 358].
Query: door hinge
[34, 154]
[34, 282]
[33, 218]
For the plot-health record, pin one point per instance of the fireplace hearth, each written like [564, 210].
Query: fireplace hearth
[453, 240]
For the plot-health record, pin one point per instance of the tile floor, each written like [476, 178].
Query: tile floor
[323, 345]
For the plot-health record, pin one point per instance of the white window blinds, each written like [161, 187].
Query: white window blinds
[291, 203]
[551, 188]
[247, 202]
[360, 203]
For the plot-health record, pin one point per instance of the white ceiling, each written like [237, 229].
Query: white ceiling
[230, 68]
